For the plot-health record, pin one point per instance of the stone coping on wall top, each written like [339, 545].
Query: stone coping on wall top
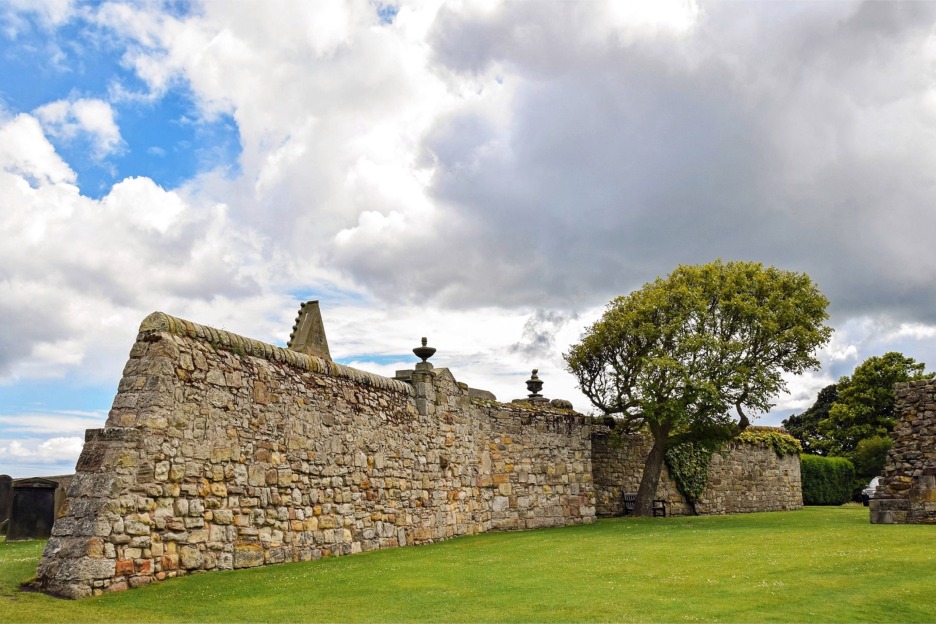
[916, 383]
[241, 345]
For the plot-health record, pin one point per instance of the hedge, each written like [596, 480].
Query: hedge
[826, 480]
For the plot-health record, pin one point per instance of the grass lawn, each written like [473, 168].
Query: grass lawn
[820, 564]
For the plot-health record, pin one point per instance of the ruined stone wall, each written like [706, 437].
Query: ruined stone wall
[222, 452]
[745, 478]
[907, 492]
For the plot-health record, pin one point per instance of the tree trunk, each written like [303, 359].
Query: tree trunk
[653, 467]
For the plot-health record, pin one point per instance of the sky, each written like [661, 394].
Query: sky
[486, 174]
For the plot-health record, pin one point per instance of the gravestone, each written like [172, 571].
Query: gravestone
[6, 500]
[33, 509]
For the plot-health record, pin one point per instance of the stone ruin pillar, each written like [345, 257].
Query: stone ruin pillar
[907, 492]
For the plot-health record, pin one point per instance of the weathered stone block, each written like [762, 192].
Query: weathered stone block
[248, 554]
[218, 489]
[88, 569]
[123, 567]
[191, 558]
[140, 581]
[223, 516]
[136, 527]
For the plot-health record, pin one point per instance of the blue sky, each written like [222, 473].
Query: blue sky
[486, 174]
[162, 136]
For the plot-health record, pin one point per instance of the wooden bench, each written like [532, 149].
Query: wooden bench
[630, 501]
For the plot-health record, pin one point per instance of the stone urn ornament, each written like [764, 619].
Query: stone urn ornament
[534, 384]
[424, 352]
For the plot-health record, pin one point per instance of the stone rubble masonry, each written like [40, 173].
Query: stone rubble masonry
[222, 452]
[744, 478]
[907, 492]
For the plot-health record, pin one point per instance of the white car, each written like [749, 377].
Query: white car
[868, 493]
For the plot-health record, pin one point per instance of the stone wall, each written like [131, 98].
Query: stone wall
[745, 478]
[221, 452]
[907, 492]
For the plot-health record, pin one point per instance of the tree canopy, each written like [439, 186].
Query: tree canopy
[854, 417]
[865, 404]
[805, 427]
[675, 356]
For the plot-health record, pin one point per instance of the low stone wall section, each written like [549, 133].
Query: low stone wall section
[221, 452]
[743, 478]
[907, 492]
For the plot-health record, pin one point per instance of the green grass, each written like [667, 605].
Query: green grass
[821, 564]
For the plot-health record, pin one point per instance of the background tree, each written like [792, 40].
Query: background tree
[675, 356]
[868, 458]
[865, 404]
[805, 427]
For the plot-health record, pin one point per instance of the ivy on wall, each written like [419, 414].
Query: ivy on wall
[782, 443]
[689, 462]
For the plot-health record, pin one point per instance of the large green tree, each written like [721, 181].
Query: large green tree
[805, 427]
[674, 357]
[865, 405]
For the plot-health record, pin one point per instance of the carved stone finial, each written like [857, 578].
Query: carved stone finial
[308, 334]
[534, 384]
[424, 352]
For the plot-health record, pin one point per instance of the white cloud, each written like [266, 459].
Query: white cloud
[48, 13]
[145, 204]
[915, 331]
[647, 19]
[77, 275]
[91, 118]
[61, 451]
[25, 151]
[485, 174]
[59, 422]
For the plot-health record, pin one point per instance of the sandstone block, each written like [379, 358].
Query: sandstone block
[223, 516]
[123, 567]
[256, 474]
[140, 581]
[218, 489]
[191, 558]
[88, 569]
[136, 527]
[248, 554]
